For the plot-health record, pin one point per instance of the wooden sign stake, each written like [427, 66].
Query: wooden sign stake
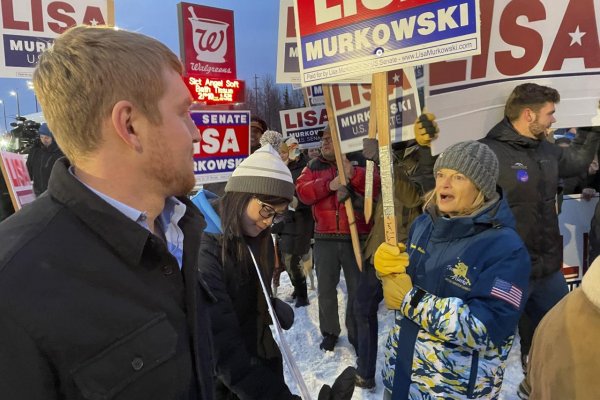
[342, 175]
[370, 164]
[379, 88]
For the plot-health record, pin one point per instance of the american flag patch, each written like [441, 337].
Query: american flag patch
[507, 292]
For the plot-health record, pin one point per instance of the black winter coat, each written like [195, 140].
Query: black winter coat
[248, 360]
[93, 306]
[297, 230]
[40, 161]
[529, 173]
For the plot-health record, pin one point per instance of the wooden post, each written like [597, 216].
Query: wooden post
[342, 176]
[379, 88]
[370, 164]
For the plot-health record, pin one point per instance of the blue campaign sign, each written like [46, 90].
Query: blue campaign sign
[224, 143]
[23, 51]
[333, 46]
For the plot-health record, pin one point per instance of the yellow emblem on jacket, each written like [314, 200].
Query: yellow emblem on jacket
[459, 275]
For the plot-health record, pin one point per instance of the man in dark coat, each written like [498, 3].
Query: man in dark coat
[296, 231]
[99, 297]
[41, 158]
[530, 167]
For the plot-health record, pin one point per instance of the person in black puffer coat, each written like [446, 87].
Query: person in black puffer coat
[297, 230]
[530, 168]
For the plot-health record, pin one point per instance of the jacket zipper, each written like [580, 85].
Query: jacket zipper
[473, 374]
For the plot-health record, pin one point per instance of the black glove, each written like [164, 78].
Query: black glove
[343, 193]
[289, 217]
[371, 150]
[342, 388]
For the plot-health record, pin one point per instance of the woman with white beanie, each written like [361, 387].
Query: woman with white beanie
[248, 361]
[457, 288]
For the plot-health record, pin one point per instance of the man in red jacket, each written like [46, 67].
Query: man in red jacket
[320, 187]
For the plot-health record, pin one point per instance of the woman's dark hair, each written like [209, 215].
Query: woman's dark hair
[232, 208]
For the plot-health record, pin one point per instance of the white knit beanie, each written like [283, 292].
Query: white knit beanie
[262, 173]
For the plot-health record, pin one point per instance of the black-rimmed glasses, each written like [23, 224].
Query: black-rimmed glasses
[267, 211]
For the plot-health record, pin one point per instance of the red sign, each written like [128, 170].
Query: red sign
[319, 16]
[207, 40]
[214, 90]
[14, 170]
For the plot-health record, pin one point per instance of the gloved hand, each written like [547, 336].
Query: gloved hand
[342, 388]
[390, 259]
[425, 129]
[348, 168]
[588, 194]
[395, 288]
[371, 150]
[334, 184]
[343, 193]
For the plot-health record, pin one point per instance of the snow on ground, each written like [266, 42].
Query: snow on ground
[319, 367]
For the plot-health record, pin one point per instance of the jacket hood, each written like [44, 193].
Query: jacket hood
[591, 283]
[494, 214]
[504, 131]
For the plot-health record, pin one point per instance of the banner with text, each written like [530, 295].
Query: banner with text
[30, 26]
[358, 37]
[288, 69]
[14, 171]
[352, 103]
[214, 90]
[207, 40]
[224, 144]
[304, 124]
[549, 42]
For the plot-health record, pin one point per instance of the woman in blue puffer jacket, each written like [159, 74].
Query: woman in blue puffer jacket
[458, 289]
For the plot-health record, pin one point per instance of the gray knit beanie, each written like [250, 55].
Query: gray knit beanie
[263, 172]
[475, 160]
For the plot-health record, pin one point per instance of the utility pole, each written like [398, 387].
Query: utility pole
[256, 93]
[16, 94]
[4, 110]
[30, 87]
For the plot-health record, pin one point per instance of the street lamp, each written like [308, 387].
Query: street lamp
[16, 94]
[4, 110]
[30, 87]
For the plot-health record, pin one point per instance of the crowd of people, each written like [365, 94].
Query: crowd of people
[110, 288]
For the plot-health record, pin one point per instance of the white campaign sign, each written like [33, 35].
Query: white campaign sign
[549, 42]
[352, 104]
[30, 26]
